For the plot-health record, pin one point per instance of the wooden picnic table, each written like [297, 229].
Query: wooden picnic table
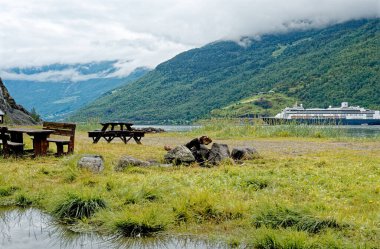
[123, 130]
[40, 143]
[122, 126]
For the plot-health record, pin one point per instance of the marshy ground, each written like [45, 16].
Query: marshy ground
[307, 191]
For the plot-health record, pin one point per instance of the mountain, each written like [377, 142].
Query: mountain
[262, 104]
[318, 67]
[57, 90]
[14, 113]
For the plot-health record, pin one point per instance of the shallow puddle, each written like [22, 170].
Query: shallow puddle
[32, 229]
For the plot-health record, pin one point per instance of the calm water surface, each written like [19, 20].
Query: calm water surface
[361, 130]
[173, 128]
[32, 229]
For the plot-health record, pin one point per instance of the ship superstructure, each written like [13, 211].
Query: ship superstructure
[345, 115]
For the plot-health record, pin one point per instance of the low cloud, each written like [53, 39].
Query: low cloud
[145, 33]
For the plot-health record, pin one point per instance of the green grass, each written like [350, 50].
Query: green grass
[8, 191]
[323, 197]
[284, 218]
[78, 207]
[237, 128]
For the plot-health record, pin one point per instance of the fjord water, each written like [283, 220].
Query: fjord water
[32, 229]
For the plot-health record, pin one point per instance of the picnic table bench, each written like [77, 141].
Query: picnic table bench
[124, 132]
[63, 134]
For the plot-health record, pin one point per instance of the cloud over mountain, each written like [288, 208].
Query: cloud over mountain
[145, 33]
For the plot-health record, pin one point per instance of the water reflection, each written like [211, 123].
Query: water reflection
[31, 229]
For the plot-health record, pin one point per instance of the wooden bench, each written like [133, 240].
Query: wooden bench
[9, 146]
[61, 129]
[109, 135]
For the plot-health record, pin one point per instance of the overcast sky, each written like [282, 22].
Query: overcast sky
[147, 32]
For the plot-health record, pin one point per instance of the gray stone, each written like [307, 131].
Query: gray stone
[204, 151]
[179, 155]
[218, 153]
[244, 153]
[159, 164]
[127, 161]
[94, 163]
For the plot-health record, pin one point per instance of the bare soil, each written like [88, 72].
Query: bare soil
[292, 146]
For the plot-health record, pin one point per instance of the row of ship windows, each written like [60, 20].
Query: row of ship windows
[336, 112]
[331, 115]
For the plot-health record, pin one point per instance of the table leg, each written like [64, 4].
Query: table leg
[40, 145]
[137, 139]
[105, 127]
[96, 139]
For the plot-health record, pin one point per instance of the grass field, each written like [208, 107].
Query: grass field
[307, 191]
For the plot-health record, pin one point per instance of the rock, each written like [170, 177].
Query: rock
[94, 163]
[201, 155]
[127, 161]
[218, 153]
[204, 151]
[244, 153]
[179, 155]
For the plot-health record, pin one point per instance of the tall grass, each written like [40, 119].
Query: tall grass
[229, 128]
[284, 218]
[91, 124]
[78, 207]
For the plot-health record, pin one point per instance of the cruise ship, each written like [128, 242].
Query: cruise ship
[344, 115]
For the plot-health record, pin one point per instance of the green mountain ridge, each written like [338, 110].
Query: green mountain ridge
[260, 105]
[318, 67]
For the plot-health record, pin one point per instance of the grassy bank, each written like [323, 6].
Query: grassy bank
[304, 192]
[256, 128]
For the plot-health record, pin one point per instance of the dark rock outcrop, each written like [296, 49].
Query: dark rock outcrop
[244, 153]
[14, 113]
[180, 155]
[218, 153]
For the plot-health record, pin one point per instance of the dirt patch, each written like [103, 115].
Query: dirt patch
[282, 146]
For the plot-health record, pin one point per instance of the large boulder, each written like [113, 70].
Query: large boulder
[127, 161]
[180, 155]
[244, 153]
[218, 153]
[204, 151]
[94, 163]
[201, 155]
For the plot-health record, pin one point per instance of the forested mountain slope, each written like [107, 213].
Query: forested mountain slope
[319, 67]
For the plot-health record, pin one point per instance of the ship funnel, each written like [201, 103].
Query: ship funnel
[344, 104]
